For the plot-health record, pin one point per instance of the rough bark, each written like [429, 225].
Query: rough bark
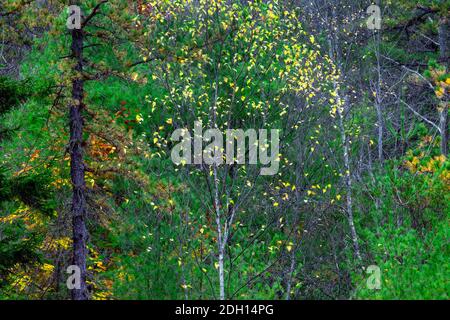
[78, 209]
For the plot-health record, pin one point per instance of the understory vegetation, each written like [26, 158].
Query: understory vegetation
[359, 205]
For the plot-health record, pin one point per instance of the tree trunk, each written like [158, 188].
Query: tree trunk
[378, 101]
[444, 45]
[443, 125]
[341, 112]
[78, 209]
[380, 130]
[221, 273]
[220, 237]
[290, 275]
[444, 58]
[348, 179]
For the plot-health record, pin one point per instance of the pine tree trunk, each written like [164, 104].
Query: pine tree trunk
[78, 208]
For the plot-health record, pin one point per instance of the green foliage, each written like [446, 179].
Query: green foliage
[34, 191]
[407, 235]
[413, 266]
[152, 225]
[17, 246]
[11, 93]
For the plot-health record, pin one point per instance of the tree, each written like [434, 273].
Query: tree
[75, 70]
[230, 67]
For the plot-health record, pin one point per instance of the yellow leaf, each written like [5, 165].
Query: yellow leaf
[91, 182]
[289, 246]
[48, 267]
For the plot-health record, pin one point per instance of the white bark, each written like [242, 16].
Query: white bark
[348, 178]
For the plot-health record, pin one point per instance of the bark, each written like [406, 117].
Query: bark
[341, 112]
[348, 180]
[290, 275]
[378, 105]
[444, 45]
[443, 125]
[78, 209]
[444, 58]
[380, 130]
[220, 237]
[221, 273]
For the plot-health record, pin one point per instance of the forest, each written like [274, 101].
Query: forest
[224, 150]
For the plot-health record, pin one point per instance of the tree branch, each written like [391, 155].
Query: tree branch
[93, 13]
